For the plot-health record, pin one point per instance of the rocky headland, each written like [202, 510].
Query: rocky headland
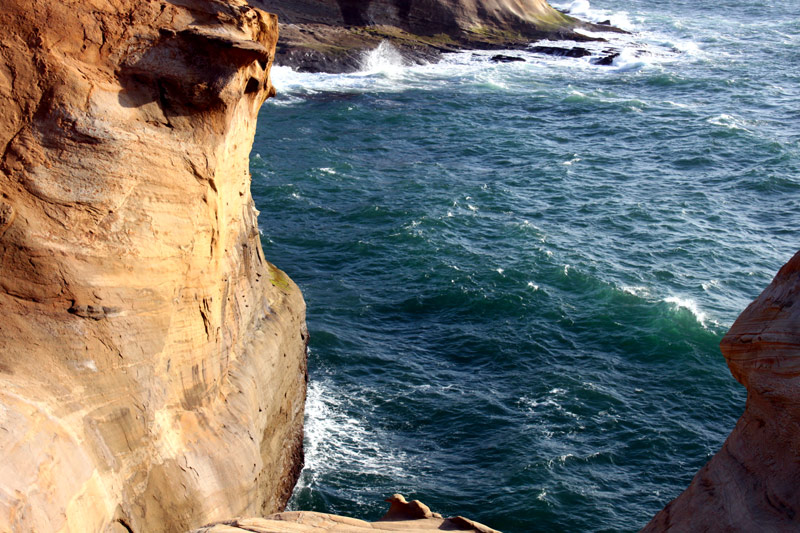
[751, 483]
[333, 35]
[152, 362]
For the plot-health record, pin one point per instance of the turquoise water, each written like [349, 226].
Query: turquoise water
[517, 275]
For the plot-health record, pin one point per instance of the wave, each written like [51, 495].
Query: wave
[730, 122]
[690, 305]
[385, 60]
[582, 9]
[628, 60]
[338, 442]
[383, 70]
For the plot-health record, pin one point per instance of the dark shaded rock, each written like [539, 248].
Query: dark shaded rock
[605, 60]
[575, 51]
[500, 58]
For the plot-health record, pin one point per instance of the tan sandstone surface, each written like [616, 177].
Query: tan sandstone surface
[402, 516]
[152, 362]
[752, 483]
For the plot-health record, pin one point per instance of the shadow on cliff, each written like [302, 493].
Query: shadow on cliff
[190, 71]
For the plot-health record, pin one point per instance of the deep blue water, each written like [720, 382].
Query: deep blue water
[518, 275]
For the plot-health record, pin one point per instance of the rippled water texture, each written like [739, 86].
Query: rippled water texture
[518, 274]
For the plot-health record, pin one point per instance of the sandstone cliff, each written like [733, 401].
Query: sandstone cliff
[331, 35]
[402, 516]
[152, 363]
[751, 483]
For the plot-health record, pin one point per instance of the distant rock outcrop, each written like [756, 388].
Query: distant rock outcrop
[152, 362]
[332, 35]
[402, 516]
[752, 483]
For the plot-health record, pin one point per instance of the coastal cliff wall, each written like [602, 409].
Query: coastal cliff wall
[152, 362]
[751, 483]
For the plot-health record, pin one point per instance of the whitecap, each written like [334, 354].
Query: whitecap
[629, 60]
[728, 121]
[690, 305]
[583, 9]
[635, 290]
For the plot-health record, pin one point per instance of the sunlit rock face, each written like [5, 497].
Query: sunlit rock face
[751, 483]
[152, 362]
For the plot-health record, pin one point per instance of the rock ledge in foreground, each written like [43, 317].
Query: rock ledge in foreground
[402, 516]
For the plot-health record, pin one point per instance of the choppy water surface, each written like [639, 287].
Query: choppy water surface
[518, 274]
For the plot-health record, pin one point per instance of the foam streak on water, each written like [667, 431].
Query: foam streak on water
[517, 275]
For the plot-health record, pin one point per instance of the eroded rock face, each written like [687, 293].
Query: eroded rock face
[402, 516]
[752, 483]
[152, 363]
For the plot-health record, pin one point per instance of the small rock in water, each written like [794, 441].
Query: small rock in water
[500, 58]
[605, 23]
[607, 60]
[575, 51]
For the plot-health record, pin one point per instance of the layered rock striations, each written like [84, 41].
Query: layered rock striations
[402, 516]
[751, 483]
[331, 35]
[152, 362]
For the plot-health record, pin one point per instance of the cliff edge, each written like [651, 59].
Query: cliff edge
[751, 483]
[152, 362]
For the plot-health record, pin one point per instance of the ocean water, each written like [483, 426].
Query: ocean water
[518, 275]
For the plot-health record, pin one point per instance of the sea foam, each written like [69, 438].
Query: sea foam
[584, 10]
[385, 60]
[336, 441]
